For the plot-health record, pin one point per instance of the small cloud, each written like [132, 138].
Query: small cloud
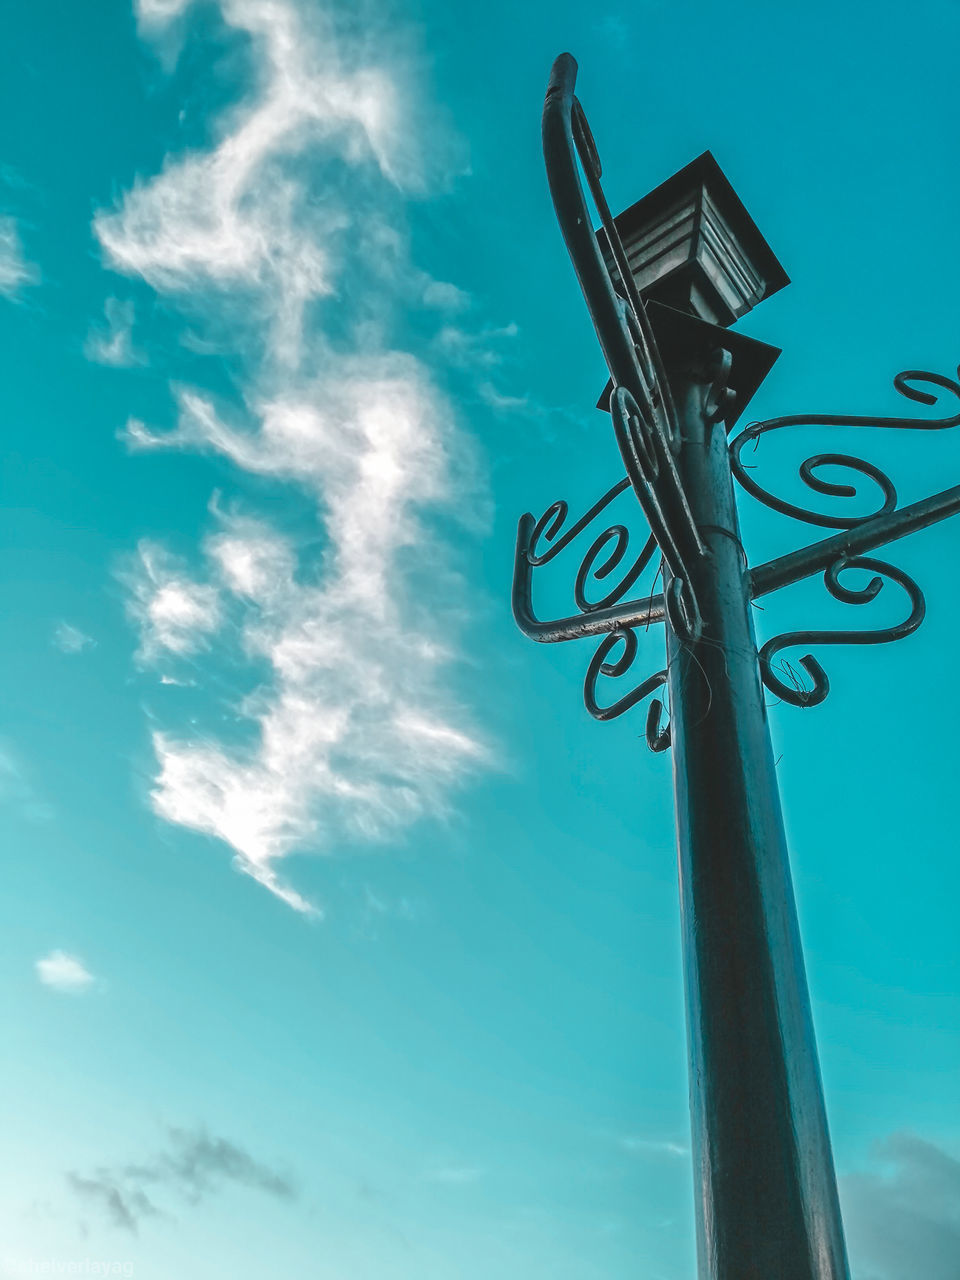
[159, 11]
[489, 394]
[15, 271]
[70, 639]
[199, 1164]
[480, 349]
[193, 1165]
[176, 615]
[902, 1215]
[652, 1146]
[112, 343]
[122, 1206]
[445, 296]
[64, 972]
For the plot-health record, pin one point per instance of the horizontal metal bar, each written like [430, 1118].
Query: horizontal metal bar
[635, 613]
[764, 578]
[629, 613]
[853, 542]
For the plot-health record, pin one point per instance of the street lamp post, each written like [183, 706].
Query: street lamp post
[662, 281]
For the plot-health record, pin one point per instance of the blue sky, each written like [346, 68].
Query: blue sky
[337, 940]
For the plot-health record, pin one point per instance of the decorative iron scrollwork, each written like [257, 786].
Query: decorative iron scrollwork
[860, 533]
[552, 521]
[903, 383]
[794, 692]
[658, 739]
[607, 552]
[549, 529]
[645, 425]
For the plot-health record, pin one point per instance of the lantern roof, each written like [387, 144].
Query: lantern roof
[692, 244]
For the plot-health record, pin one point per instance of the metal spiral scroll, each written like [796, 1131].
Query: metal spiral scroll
[797, 695]
[658, 738]
[548, 528]
[550, 524]
[808, 469]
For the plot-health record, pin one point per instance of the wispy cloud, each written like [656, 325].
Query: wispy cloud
[298, 204]
[16, 787]
[64, 972]
[378, 906]
[902, 1215]
[176, 614]
[652, 1146]
[123, 1207]
[70, 639]
[240, 216]
[444, 296]
[112, 342]
[192, 1166]
[15, 270]
[474, 348]
[499, 401]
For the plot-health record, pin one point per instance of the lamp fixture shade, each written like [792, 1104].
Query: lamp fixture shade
[691, 244]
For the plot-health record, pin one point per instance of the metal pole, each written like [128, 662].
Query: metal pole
[767, 1206]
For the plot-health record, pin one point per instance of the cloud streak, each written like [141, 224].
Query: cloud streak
[15, 270]
[652, 1146]
[295, 205]
[112, 342]
[70, 639]
[238, 217]
[17, 791]
[193, 1166]
[175, 614]
[902, 1215]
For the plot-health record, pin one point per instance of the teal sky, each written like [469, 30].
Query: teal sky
[337, 940]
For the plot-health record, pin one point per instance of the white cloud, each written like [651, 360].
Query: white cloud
[64, 972]
[474, 349]
[112, 343]
[160, 11]
[902, 1215]
[354, 737]
[70, 639]
[240, 216]
[15, 271]
[176, 614]
[498, 400]
[445, 296]
[355, 734]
